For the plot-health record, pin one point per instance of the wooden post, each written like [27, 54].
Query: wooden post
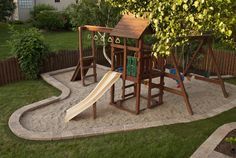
[94, 57]
[81, 54]
[184, 93]
[216, 67]
[112, 101]
[139, 73]
[94, 111]
[135, 84]
[150, 84]
[162, 82]
[124, 69]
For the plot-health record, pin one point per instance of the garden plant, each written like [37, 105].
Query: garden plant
[30, 49]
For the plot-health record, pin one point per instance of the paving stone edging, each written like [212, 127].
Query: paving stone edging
[14, 120]
[207, 148]
[17, 128]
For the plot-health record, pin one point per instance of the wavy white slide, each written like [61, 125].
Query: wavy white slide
[105, 84]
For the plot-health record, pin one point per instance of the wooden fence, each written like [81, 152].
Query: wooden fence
[60, 60]
[10, 70]
[226, 61]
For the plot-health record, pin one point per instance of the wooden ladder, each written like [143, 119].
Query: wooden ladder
[85, 62]
[152, 85]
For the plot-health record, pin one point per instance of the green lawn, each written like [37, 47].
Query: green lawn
[179, 140]
[56, 40]
[4, 36]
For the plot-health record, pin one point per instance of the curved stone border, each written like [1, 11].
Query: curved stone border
[16, 127]
[14, 120]
[207, 148]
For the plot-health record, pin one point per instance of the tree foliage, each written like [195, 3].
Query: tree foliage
[7, 8]
[177, 18]
[93, 12]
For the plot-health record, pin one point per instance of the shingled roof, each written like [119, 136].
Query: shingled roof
[130, 27]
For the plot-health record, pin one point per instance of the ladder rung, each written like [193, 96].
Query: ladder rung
[118, 52]
[155, 85]
[156, 95]
[87, 67]
[131, 85]
[90, 75]
[127, 95]
[88, 58]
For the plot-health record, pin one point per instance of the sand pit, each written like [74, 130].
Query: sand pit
[47, 122]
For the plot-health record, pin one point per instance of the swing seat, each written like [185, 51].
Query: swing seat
[119, 69]
[173, 71]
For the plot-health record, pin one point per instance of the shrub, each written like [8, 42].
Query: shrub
[47, 17]
[39, 8]
[30, 49]
[49, 20]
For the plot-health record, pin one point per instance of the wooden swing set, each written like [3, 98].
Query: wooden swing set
[146, 66]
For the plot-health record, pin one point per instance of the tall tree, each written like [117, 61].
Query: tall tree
[7, 8]
[174, 18]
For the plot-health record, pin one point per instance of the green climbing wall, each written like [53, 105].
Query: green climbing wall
[131, 66]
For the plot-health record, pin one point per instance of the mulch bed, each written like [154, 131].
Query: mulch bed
[225, 147]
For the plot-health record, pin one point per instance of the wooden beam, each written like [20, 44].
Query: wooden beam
[94, 57]
[217, 68]
[94, 111]
[168, 89]
[96, 28]
[139, 74]
[184, 93]
[124, 69]
[112, 92]
[193, 57]
[81, 55]
[215, 81]
[122, 47]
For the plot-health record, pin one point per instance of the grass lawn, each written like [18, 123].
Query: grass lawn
[56, 40]
[4, 36]
[179, 140]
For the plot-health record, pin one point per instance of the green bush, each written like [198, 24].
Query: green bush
[39, 8]
[30, 49]
[50, 20]
[47, 17]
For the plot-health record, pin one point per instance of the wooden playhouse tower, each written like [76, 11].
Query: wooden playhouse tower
[135, 59]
